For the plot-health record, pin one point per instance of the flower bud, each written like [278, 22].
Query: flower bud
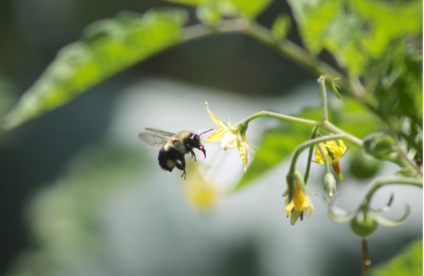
[330, 184]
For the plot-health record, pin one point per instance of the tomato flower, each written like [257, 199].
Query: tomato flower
[336, 152]
[230, 137]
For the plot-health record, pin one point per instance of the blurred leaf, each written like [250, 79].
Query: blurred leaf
[250, 8]
[109, 46]
[386, 26]
[186, 2]
[281, 26]
[279, 143]
[313, 18]
[355, 32]
[409, 262]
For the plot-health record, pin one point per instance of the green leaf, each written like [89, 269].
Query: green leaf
[388, 23]
[356, 32]
[281, 26]
[409, 262]
[108, 47]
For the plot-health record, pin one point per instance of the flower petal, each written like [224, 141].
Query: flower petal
[228, 140]
[243, 149]
[215, 136]
[215, 119]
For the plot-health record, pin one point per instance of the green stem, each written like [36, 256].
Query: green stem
[327, 166]
[311, 151]
[309, 143]
[278, 116]
[332, 128]
[390, 181]
[321, 82]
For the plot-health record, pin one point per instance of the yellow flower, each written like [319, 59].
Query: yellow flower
[300, 203]
[230, 137]
[338, 151]
[199, 193]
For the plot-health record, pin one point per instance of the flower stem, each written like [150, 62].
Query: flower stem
[327, 166]
[390, 181]
[321, 82]
[279, 116]
[311, 150]
[309, 143]
[366, 262]
[332, 128]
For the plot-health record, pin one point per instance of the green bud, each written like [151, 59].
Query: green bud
[330, 184]
[379, 145]
[208, 13]
[363, 225]
[281, 26]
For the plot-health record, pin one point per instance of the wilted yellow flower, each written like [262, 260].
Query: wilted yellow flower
[300, 202]
[230, 137]
[200, 194]
[338, 151]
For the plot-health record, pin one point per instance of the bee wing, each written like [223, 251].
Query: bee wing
[152, 140]
[160, 132]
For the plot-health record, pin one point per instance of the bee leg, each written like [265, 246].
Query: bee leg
[181, 166]
[193, 155]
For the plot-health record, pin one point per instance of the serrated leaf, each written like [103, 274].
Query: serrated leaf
[109, 46]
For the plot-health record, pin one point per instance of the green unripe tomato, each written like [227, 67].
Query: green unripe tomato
[363, 167]
[363, 227]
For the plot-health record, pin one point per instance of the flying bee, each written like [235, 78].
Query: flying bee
[174, 147]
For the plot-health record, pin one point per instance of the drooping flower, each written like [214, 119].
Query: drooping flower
[200, 194]
[333, 152]
[297, 202]
[230, 137]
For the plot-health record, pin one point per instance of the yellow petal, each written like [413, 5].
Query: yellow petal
[243, 148]
[289, 207]
[318, 156]
[215, 136]
[215, 119]
[342, 145]
[298, 198]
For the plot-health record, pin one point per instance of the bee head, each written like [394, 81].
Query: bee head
[195, 142]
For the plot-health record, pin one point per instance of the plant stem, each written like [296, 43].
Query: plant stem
[381, 182]
[311, 150]
[332, 128]
[279, 116]
[327, 166]
[321, 82]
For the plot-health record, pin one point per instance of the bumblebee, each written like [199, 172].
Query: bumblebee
[174, 147]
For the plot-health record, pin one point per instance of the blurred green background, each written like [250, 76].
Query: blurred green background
[80, 195]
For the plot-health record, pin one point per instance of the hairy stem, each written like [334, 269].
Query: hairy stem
[311, 151]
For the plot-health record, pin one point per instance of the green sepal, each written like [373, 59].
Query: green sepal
[392, 222]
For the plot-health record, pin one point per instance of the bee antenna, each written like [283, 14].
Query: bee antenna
[205, 131]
